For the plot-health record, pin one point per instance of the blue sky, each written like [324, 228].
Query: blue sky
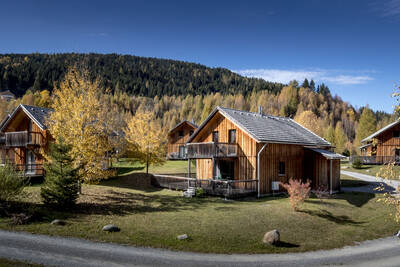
[353, 46]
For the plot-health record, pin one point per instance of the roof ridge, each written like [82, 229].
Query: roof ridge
[255, 113]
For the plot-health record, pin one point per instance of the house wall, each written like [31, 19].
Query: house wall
[387, 143]
[174, 141]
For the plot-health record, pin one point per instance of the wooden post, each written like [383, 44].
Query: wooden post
[188, 174]
[330, 175]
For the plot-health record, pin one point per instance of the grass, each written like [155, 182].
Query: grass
[154, 217]
[13, 263]
[125, 167]
[366, 169]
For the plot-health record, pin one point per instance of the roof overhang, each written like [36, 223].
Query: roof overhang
[387, 127]
[327, 154]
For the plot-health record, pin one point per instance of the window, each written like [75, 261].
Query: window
[396, 134]
[191, 133]
[181, 152]
[180, 134]
[281, 170]
[215, 136]
[232, 137]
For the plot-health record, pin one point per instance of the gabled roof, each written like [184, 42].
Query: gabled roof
[327, 154]
[7, 93]
[37, 114]
[366, 145]
[265, 128]
[387, 127]
[181, 123]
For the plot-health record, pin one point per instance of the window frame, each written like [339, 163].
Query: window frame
[215, 133]
[230, 141]
[281, 163]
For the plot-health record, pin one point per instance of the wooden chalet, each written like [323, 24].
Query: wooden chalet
[23, 135]
[383, 146]
[239, 152]
[7, 95]
[177, 138]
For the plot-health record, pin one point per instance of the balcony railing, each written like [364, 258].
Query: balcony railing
[211, 150]
[23, 139]
[176, 155]
[376, 159]
[30, 169]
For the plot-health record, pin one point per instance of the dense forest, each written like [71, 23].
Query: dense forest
[176, 91]
[134, 75]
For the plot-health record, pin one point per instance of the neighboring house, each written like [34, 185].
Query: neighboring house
[383, 146]
[24, 135]
[253, 152]
[177, 138]
[7, 95]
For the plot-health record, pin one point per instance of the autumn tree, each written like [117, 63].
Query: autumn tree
[366, 125]
[340, 138]
[145, 139]
[83, 120]
[309, 120]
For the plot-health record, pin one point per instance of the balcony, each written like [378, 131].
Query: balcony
[211, 150]
[23, 139]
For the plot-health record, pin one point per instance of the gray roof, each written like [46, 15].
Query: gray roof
[327, 154]
[271, 129]
[37, 114]
[387, 127]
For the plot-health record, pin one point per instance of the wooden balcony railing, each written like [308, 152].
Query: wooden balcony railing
[30, 169]
[376, 159]
[211, 150]
[23, 139]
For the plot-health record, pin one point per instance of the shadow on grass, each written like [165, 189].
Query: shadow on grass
[339, 219]
[283, 244]
[357, 199]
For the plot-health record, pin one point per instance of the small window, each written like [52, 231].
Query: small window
[396, 134]
[215, 136]
[281, 170]
[232, 136]
[191, 133]
[180, 134]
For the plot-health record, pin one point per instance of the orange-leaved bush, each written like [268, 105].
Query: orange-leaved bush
[298, 192]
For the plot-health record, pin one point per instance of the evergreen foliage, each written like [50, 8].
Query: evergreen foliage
[60, 188]
[11, 183]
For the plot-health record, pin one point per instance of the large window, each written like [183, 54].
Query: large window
[215, 136]
[396, 134]
[281, 169]
[232, 136]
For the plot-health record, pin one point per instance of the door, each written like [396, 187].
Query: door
[225, 170]
[30, 162]
[181, 152]
[397, 155]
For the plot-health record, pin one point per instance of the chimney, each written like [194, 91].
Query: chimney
[260, 110]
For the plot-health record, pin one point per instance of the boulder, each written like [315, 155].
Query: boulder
[182, 237]
[57, 222]
[111, 228]
[272, 237]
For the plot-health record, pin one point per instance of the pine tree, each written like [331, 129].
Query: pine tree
[305, 84]
[312, 85]
[61, 179]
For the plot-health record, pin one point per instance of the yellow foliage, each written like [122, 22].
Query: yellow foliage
[309, 120]
[146, 141]
[81, 118]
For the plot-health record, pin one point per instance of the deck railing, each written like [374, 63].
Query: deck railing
[376, 159]
[30, 169]
[211, 150]
[23, 139]
[176, 155]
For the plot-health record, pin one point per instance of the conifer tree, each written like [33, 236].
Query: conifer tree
[61, 177]
[305, 84]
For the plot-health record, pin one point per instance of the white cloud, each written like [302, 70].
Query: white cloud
[390, 8]
[285, 76]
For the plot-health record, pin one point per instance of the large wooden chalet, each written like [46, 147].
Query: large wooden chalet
[177, 138]
[383, 146]
[253, 152]
[23, 136]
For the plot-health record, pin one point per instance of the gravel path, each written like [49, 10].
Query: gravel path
[390, 185]
[57, 251]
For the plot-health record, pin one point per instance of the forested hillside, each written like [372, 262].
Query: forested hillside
[131, 74]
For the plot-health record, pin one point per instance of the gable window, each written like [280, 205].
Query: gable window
[215, 136]
[396, 134]
[281, 169]
[180, 134]
[232, 137]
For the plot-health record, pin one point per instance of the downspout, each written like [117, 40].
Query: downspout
[258, 169]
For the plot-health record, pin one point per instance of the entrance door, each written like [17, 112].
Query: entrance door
[397, 155]
[225, 170]
[30, 162]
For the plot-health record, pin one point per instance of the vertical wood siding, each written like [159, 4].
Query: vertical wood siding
[174, 141]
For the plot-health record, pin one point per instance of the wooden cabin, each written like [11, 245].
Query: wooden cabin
[177, 138]
[24, 136]
[254, 152]
[383, 146]
[7, 95]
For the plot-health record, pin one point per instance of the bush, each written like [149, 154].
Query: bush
[60, 188]
[298, 192]
[11, 183]
[357, 163]
[199, 192]
[322, 192]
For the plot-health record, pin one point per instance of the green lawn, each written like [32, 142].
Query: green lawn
[367, 169]
[12, 263]
[154, 217]
[125, 166]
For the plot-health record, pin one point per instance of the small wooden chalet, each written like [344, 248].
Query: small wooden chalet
[23, 135]
[7, 95]
[383, 146]
[177, 138]
[252, 152]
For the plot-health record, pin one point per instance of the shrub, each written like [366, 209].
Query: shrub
[11, 183]
[61, 180]
[357, 163]
[298, 192]
[199, 192]
[322, 192]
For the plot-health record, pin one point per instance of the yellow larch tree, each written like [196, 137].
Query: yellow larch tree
[82, 119]
[145, 139]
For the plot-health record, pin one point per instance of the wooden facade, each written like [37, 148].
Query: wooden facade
[24, 142]
[177, 139]
[297, 161]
